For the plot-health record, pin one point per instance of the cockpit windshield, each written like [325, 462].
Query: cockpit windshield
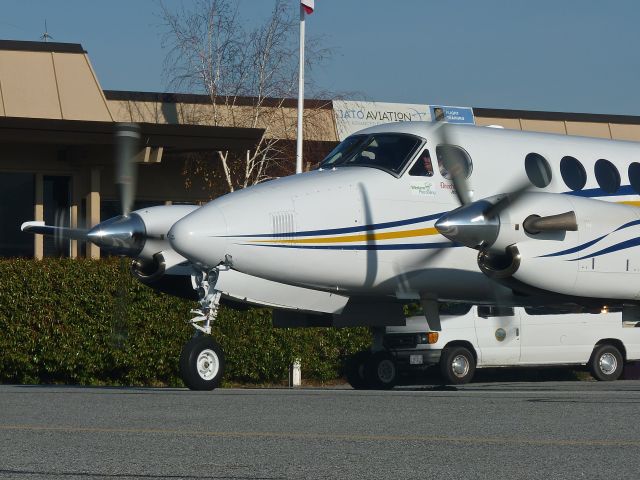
[386, 151]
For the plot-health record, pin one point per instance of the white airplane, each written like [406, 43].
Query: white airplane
[378, 225]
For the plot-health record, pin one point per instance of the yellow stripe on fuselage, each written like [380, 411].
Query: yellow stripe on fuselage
[633, 203]
[363, 237]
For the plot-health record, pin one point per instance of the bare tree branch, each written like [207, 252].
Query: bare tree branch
[247, 75]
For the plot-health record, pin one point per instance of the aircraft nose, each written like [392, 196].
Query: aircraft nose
[200, 237]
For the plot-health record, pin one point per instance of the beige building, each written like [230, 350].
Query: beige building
[56, 138]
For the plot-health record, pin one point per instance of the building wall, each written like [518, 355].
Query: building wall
[585, 128]
[279, 122]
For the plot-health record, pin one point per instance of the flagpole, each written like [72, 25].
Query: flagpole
[300, 94]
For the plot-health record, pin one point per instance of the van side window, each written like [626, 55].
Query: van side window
[487, 311]
[423, 166]
[446, 308]
[560, 310]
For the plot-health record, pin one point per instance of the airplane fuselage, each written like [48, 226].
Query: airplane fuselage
[366, 230]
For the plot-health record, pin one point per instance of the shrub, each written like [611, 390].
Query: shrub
[89, 322]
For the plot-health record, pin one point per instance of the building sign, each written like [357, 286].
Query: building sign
[352, 116]
[452, 114]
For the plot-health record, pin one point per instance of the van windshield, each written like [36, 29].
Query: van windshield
[386, 151]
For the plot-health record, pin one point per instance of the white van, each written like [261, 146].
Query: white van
[483, 336]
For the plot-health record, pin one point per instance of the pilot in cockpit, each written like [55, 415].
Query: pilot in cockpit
[423, 166]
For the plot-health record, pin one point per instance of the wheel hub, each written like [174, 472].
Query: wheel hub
[608, 363]
[208, 364]
[460, 366]
[386, 371]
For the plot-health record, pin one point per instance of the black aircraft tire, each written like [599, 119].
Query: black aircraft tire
[354, 369]
[381, 371]
[606, 363]
[457, 365]
[202, 363]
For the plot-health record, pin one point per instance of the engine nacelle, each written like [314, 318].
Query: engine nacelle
[596, 260]
[159, 266]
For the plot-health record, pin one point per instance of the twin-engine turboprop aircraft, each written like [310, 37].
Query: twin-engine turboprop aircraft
[378, 225]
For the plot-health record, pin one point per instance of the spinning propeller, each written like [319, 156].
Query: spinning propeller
[122, 235]
[477, 224]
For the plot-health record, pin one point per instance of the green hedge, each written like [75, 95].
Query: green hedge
[89, 322]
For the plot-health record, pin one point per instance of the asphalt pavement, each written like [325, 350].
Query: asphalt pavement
[547, 430]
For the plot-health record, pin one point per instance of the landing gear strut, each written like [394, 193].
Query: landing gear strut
[202, 359]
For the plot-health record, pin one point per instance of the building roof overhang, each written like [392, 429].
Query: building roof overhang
[173, 138]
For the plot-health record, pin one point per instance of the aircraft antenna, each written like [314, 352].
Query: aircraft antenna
[46, 36]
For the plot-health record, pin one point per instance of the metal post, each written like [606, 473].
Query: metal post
[300, 94]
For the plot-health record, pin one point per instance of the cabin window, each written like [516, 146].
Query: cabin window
[607, 176]
[456, 156]
[634, 176]
[423, 166]
[573, 173]
[538, 170]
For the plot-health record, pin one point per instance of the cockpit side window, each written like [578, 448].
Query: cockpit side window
[455, 156]
[386, 151]
[423, 166]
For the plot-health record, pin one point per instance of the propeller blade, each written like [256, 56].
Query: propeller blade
[119, 315]
[58, 232]
[507, 200]
[451, 160]
[127, 142]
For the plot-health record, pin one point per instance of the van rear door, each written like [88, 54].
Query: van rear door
[498, 333]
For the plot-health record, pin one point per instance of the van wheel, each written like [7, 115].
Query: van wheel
[380, 371]
[606, 363]
[354, 369]
[457, 365]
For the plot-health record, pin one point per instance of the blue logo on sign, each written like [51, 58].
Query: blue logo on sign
[452, 114]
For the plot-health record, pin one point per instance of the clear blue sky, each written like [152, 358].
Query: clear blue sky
[560, 55]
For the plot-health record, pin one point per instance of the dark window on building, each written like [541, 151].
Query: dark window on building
[56, 196]
[607, 176]
[456, 156]
[16, 207]
[634, 176]
[538, 170]
[423, 166]
[573, 173]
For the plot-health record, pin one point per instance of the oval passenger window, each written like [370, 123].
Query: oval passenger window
[607, 176]
[573, 173]
[634, 176]
[538, 170]
[457, 156]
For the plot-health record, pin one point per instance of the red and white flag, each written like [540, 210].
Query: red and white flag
[308, 6]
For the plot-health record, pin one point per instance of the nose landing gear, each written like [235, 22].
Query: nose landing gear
[202, 360]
